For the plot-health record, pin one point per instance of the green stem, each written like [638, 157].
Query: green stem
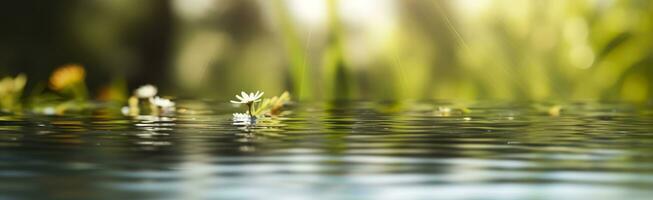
[249, 107]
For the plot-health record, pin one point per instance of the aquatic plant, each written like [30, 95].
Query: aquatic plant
[258, 113]
[11, 89]
[249, 100]
[69, 79]
[145, 91]
[162, 105]
[67, 92]
[146, 96]
[132, 108]
[272, 106]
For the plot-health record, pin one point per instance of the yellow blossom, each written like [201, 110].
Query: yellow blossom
[67, 76]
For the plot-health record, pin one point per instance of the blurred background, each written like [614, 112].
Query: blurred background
[554, 50]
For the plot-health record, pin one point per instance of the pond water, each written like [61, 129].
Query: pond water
[341, 150]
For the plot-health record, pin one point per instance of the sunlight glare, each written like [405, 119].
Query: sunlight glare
[193, 9]
[308, 12]
[472, 8]
[371, 24]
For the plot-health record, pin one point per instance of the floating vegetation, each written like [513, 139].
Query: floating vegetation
[162, 105]
[144, 99]
[69, 80]
[11, 89]
[145, 91]
[68, 92]
[266, 108]
[249, 100]
[272, 106]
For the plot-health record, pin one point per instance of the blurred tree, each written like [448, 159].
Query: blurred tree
[110, 38]
[467, 49]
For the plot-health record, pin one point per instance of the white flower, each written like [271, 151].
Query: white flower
[248, 98]
[163, 103]
[125, 110]
[146, 91]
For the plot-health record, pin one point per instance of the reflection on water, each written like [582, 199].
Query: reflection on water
[344, 150]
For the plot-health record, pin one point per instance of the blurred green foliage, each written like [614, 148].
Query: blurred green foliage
[329, 50]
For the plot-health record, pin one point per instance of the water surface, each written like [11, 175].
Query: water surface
[342, 150]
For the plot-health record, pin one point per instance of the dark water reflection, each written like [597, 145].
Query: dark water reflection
[346, 150]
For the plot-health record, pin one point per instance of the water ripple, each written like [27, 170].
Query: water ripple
[343, 150]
